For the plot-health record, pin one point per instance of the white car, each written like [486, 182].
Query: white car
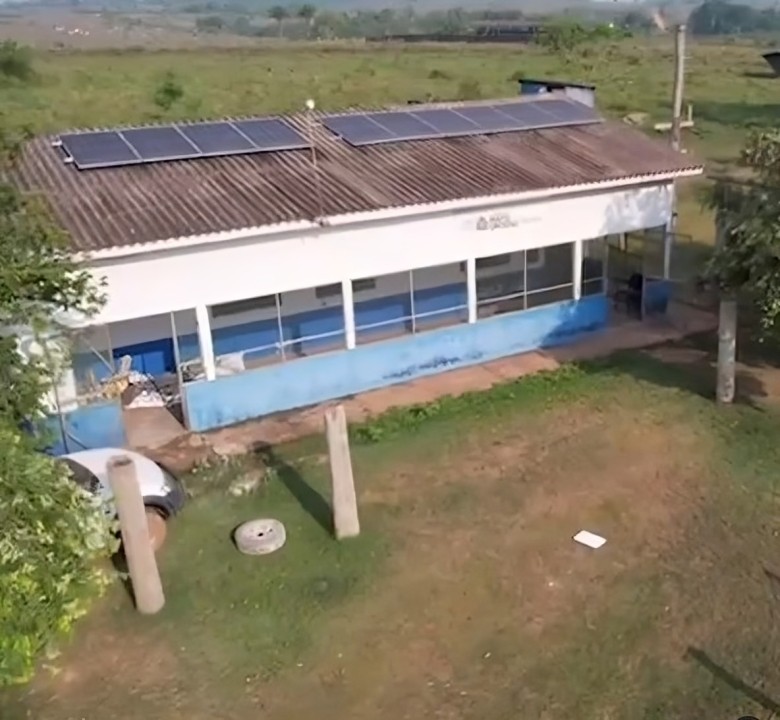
[161, 491]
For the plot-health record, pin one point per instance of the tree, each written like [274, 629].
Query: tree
[308, 13]
[280, 14]
[51, 532]
[746, 262]
[210, 24]
[563, 37]
[716, 17]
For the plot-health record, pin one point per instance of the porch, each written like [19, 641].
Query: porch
[214, 366]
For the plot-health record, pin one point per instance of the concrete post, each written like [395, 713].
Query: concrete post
[137, 544]
[471, 288]
[345, 511]
[206, 342]
[727, 350]
[577, 269]
[348, 300]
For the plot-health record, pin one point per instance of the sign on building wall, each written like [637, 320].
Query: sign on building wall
[504, 221]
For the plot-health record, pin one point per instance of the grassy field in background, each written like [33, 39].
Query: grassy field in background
[729, 86]
[465, 597]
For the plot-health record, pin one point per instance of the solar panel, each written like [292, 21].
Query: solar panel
[358, 129]
[527, 115]
[488, 119]
[448, 122]
[98, 149]
[160, 143]
[271, 134]
[570, 112]
[217, 138]
[404, 125]
[178, 142]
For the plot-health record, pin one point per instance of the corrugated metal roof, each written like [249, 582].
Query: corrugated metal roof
[123, 206]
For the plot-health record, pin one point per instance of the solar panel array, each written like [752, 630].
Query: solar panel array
[133, 146]
[391, 126]
[186, 141]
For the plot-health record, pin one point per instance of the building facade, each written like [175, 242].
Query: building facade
[242, 322]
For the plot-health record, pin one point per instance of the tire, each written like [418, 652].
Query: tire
[170, 504]
[158, 528]
[260, 537]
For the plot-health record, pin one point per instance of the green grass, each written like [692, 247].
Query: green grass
[467, 509]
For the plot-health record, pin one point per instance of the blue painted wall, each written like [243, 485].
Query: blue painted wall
[156, 357]
[307, 381]
[92, 426]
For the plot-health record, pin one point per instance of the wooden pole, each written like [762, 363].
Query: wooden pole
[345, 511]
[144, 576]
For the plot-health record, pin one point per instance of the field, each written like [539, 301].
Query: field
[465, 597]
[730, 87]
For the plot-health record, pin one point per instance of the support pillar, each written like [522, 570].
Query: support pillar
[206, 342]
[471, 288]
[349, 312]
[577, 269]
[136, 541]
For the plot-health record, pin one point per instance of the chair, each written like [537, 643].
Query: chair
[631, 295]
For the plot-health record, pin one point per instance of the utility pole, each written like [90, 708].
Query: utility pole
[679, 84]
[676, 137]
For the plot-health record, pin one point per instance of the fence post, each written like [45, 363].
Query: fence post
[345, 511]
[144, 576]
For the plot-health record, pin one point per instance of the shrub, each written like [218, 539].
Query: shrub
[52, 538]
[15, 61]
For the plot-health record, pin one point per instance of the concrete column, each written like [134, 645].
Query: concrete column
[206, 342]
[668, 240]
[136, 542]
[471, 288]
[349, 312]
[577, 269]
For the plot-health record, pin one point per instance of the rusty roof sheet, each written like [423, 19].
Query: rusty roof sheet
[116, 207]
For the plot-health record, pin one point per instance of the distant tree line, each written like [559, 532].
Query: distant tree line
[718, 17]
[308, 21]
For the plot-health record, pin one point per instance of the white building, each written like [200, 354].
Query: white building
[255, 283]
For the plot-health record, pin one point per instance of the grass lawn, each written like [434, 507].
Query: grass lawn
[466, 597]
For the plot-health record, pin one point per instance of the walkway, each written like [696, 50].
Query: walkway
[285, 427]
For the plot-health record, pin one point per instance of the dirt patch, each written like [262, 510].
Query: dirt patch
[480, 584]
[105, 660]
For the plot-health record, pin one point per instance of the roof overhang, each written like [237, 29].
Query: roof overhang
[376, 216]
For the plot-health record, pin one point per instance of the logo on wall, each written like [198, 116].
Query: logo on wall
[502, 221]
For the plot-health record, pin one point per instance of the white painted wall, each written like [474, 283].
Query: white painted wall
[150, 284]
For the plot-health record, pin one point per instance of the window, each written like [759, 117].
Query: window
[439, 297]
[534, 257]
[494, 261]
[244, 306]
[363, 285]
[327, 291]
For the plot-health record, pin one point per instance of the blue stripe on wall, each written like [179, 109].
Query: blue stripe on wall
[156, 357]
[308, 381]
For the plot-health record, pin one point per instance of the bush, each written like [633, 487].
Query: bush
[52, 537]
[15, 61]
